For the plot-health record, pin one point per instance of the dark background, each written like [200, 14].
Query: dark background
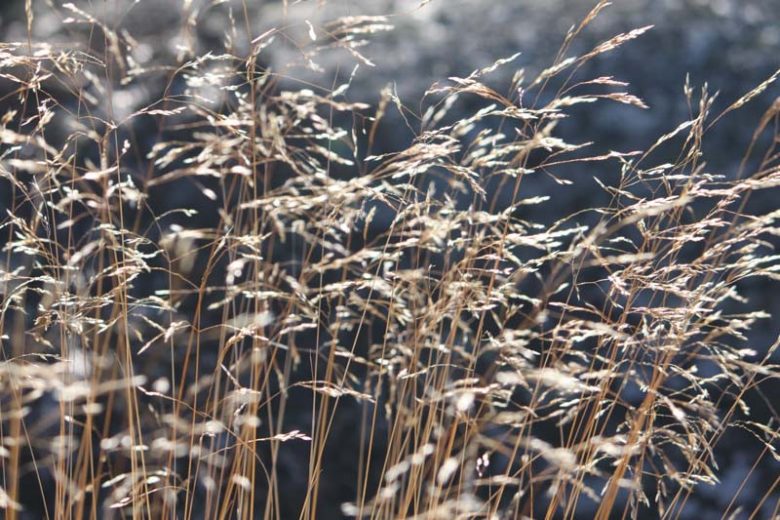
[729, 45]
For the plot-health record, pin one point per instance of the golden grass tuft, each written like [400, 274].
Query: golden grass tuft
[259, 288]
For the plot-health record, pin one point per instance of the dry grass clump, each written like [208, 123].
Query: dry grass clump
[228, 303]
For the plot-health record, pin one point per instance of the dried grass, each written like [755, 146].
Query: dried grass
[497, 364]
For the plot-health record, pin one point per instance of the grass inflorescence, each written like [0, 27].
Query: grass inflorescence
[221, 296]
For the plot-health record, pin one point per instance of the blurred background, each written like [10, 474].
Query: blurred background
[729, 45]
